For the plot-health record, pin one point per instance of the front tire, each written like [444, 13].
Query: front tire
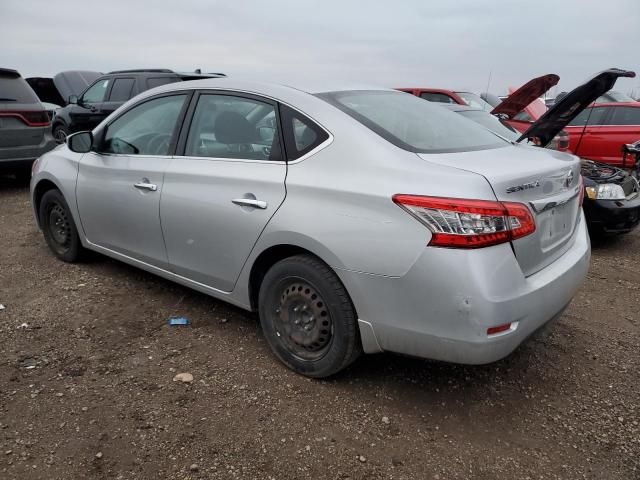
[58, 227]
[307, 317]
[60, 133]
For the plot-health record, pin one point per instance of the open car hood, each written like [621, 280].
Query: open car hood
[565, 110]
[74, 82]
[523, 96]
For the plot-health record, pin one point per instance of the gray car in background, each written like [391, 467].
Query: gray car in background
[351, 219]
[24, 125]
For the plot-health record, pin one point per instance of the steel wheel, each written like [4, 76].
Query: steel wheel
[59, 227]
[302, 322]
[307, 317]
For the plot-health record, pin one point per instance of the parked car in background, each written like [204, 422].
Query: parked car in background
[612, 196]
[441, 95]
[110, 91]
[56, 90]
[600, 132]
[24, 124]
[435, 240]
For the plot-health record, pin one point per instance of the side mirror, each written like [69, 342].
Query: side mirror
[73, 99]
[80, 142]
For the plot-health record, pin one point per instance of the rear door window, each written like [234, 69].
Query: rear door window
[154, 82]
[301, 134]
[121, 89]
[234, 127]
[624, 116]
[96, 92]
[595, 116]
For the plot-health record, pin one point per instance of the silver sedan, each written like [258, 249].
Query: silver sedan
[352, 220]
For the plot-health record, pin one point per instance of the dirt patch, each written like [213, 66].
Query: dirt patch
[87, 363]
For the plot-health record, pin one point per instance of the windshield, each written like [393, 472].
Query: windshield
[491, 122]
[411, 123]
[475, 101]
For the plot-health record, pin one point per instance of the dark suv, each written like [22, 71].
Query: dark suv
[108, 93]
[24, 124]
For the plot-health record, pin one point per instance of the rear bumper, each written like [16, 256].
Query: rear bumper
[612, 216]
[15, 157]
[442, 307]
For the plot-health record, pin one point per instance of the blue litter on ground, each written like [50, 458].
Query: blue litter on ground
[178, 321]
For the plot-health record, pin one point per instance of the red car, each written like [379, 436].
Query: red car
[441, 95]
[598, 133]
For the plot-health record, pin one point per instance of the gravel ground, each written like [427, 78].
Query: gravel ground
[87, 363]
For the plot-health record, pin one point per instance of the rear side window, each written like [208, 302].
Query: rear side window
[437, 97]
[16, 90]
[146, 129]
[154, 82]
[121, 89]
[412, 124]
[96, 92]
[301, 134]
[226, 126]
[625, 116]
[595, 116]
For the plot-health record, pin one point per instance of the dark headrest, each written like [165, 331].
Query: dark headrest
[233, 128]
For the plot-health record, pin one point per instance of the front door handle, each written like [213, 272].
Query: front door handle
[250, 202]
[152, 187]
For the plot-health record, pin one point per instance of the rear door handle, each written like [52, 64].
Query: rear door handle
[152, 187]
[250, 202]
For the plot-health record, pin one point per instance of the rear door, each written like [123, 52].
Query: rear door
[119, 186]
[622, 126]
[586, 135]
[223, 188]
[122, 89]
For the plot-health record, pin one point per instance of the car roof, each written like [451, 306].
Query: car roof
[617, 104]
[267, 88]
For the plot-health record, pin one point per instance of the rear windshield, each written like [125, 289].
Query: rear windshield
[16, 90]
[492, 123]
[411, 123]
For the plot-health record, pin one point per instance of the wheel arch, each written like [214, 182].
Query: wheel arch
[42, 187]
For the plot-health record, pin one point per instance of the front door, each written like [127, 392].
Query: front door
[120, 184]
[219, 195]
[87, 114]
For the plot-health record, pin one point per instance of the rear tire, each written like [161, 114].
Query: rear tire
[307, 317]
[58, 227]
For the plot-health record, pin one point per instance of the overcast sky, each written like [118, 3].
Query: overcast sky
[450, 44]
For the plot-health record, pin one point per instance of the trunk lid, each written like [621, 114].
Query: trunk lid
[567, 108]
[519, 99]
[548, 182]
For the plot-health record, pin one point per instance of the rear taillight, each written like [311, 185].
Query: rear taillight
[29, 118]
[464, 223]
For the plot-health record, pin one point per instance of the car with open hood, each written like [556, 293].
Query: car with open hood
[350, 218]
[597, 133]
[612, 195]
